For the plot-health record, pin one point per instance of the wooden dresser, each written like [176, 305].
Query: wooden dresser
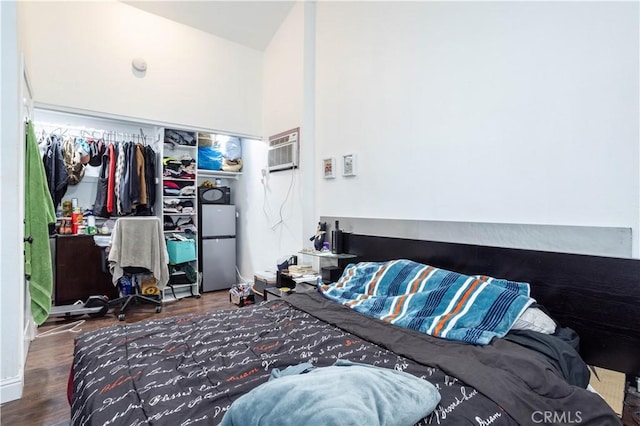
[79, 271]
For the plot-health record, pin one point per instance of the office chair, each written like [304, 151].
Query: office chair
[138, 246]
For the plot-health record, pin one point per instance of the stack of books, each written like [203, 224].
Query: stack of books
[300, 270]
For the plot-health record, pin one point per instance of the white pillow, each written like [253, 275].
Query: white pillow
[535, 320]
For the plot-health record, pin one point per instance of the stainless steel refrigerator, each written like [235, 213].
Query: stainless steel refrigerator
[217, 246]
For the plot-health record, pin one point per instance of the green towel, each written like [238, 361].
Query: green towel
[39, 213]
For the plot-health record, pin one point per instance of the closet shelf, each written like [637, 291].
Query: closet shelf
[179, 214]
[181, 197]
[171, 147]
[176, 232]
[178, 180]
[218, 173]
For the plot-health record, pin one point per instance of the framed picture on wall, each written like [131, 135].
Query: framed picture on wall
[329, 168]
[349, 165]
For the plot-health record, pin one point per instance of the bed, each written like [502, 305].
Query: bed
[190, 369]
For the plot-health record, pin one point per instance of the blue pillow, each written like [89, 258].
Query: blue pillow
[343, 394]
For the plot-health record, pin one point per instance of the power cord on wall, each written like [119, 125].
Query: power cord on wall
[264, 195]
[264, 205]
[242, 279]
[286, 197]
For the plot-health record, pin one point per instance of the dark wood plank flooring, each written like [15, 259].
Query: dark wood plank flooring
[44, 399]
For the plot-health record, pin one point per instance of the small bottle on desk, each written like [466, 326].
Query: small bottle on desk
[336, 239]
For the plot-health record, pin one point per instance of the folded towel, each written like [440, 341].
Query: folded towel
[39, 213]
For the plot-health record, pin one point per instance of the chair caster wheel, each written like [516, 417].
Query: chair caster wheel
[158, 309]
[121, 317]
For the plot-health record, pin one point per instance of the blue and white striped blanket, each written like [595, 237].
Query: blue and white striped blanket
[435, 301]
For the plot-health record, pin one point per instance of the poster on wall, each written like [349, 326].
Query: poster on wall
[329, 168]
[349, 165]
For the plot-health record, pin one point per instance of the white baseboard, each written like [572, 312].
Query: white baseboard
[28, 334]
[11, 389]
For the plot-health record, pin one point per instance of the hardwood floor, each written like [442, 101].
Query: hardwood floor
[44, 400]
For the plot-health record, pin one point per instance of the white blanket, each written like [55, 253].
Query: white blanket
[139, 241]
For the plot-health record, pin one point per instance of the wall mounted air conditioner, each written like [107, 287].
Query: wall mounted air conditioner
[283, 150]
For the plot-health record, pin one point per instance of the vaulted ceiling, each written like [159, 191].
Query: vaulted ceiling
[250, 23]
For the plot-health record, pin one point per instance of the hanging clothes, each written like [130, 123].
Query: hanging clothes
[141, 174]
[126, 178]
[74, 159]
[150, 169]
[97, 149]
[127, 181]
[134, 177]
[39, 213]
[100, 205]
[149, 182]
[119, 179]
[111, 179]
[55, 169]
[125, 199]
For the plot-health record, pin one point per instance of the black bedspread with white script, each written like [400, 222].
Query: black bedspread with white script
[188, 369]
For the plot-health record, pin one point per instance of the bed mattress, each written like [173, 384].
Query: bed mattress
[189, 369]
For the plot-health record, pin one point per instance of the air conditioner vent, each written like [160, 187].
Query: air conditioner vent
[283, 150]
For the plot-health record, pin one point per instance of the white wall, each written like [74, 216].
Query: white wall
[81, 52]
[12, 296]
[499, 112]
[271, 218]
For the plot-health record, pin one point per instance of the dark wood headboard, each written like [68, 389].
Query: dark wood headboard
[598, 297]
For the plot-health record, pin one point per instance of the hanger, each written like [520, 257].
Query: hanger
[44, 141]
[27, 109]
[143, 137]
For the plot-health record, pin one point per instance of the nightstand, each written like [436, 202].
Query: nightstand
[329, 265]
